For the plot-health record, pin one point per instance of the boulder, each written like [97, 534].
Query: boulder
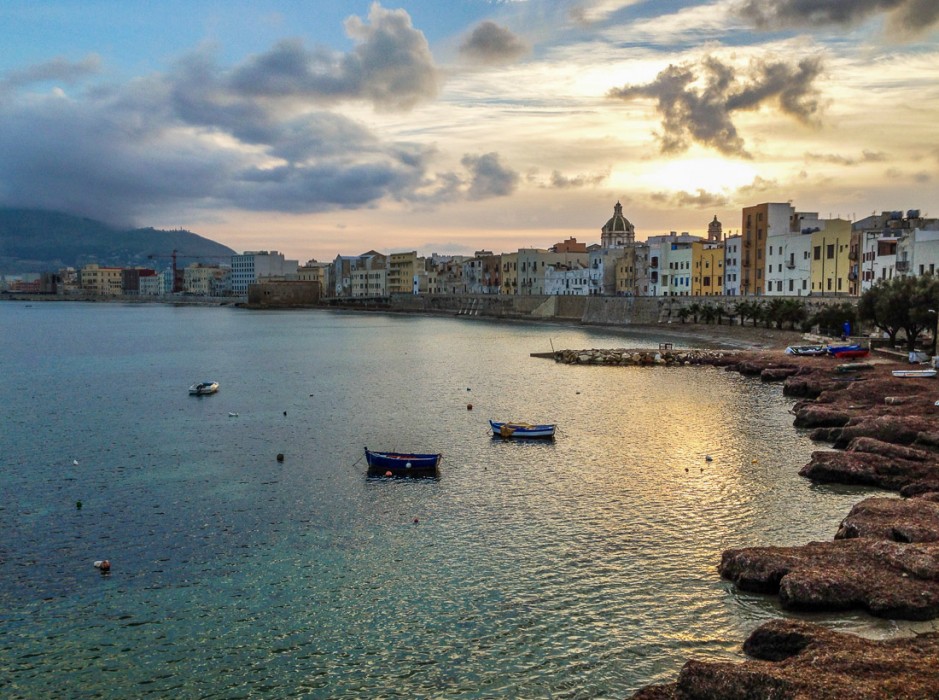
[895, 519]
[814, 416]
[867, 469]
[888, 579]
[796, 660]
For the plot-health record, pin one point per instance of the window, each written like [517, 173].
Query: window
[830, 251]
[817, 253]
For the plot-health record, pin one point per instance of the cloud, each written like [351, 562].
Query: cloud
[865, 157]
[696, 101]
[488, 177]
[700, 199]
[57, 70]
[910, 17]
[563, 182]
[490, 44]
[391, 67]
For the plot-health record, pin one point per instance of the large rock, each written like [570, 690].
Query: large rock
[814, 416]
[794, 660]
[867, 469]
[898, 429]
[888, 579]
[895, 519]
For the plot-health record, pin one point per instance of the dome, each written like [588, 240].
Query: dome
[618, 222]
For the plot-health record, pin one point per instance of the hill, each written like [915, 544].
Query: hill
[35, 240]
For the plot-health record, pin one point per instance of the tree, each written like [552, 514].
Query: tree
[683, 313]
[775, 312]
[708, 313]
[831, 319]
[695, 311]
[907, 304]
[794, 312]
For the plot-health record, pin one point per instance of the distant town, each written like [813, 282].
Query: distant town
[778, 252]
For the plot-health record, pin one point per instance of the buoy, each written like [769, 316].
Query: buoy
[416, 521]
[467, 388]
[686, 469]
[75, 462]
[78, 505]
[285, 413]
[104, 565]
[280, 456]
[388, 473]
[469, 407]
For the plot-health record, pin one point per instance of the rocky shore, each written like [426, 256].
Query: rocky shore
[878, 430]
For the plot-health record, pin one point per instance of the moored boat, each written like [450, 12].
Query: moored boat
[402, 463]
[522, 430]
[921, 373]
[203, 388]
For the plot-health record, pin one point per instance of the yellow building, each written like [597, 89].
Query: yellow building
[707, 268]
[402, 268]
[831, 259]
[104, 281]
[627, 274]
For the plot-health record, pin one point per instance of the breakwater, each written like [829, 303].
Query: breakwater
[630, 358]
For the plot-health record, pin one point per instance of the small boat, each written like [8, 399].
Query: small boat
[402, 463]
[848, 351]
[921, 373]
[203, 388]
[807, 350]
[522, 430]
[853, 367]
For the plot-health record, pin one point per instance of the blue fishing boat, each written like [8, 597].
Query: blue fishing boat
[522, 430]
[402, 463]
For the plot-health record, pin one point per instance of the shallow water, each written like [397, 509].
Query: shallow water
[580, 568]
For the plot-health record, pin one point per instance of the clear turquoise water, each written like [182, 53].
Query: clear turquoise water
[580, 569]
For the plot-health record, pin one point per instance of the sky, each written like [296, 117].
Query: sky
[318, 127]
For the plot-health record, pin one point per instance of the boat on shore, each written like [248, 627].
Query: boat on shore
[915, 373]
[542, 431]
[203, 388]
[807, 350]
[402, 463]
[845, 352]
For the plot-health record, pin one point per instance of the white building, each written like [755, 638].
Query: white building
[670, 264]
[253, 266]
[732, 246]
[567, 280]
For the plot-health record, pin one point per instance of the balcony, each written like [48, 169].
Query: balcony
[903, 265]
[852, 255]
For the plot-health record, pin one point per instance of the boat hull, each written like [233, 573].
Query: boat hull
[915, 373]
[402, 463]
[203, 389]
[522, 430]
[846, 352]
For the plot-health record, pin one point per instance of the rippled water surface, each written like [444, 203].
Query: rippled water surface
[580, 568]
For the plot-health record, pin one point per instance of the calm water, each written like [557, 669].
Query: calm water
[580, 569]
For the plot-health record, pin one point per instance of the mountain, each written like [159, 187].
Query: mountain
[35, 240]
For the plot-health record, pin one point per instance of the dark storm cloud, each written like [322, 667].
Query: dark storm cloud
[488, 177]
[255, 137]
[491, 44]
[391, 67]
[907, 16]
[697, 101]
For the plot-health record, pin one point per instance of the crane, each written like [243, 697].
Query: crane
[177, 273]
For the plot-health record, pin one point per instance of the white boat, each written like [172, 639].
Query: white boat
[922, 373]
[203, 388]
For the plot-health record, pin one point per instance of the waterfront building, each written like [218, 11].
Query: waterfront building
[156, 285]
[732, 247]
[670, 264]
[533, 263]
[830, 259]
[602, 269]
[207, 280]
[101, 281]
[254, 266]
[313, 271]
[403, 269]
[567, 280]
[509, 273]
[707, 262]
[918, 251]
[759, 223]
[632, 271]
[482, 273]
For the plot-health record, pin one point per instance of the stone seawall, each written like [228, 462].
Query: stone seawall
[626, 358]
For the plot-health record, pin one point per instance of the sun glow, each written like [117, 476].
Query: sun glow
[694, 174]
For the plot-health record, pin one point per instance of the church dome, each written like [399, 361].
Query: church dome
[618, 223]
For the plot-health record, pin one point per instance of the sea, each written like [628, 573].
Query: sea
[584, 567]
